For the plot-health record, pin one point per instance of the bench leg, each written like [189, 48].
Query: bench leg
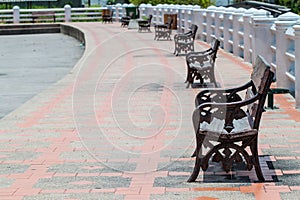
[190, 77]
[197, 153]
[213, 79]
[187, 74]
[196, 171]
[255, 160]
[271, 100]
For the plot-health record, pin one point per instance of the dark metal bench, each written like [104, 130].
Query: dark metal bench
[42, 15]
[228, 125]
[200, 66]
[164, 31]
[125, 21]
[107, 16]
[145, 24]
[185, 42]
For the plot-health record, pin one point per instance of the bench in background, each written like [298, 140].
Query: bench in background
[163, 31]
[43, 16]
[201, 66]
[184, 42]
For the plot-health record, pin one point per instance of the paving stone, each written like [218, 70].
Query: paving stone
[98, 182]
[294, 195]
[91, 196]
[74, 168]
[24, 155]
[289, 179]
[13, 168]
[281, 151]
[204, 195]
[78, 155]
[5, 182]
[171, 181]
[286, 164]
[177, 166]
[103, 167]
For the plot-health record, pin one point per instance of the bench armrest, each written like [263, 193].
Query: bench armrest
[143, 21]
[183, 37]
[228, 111]
[195, 53]
[221, 95]
[161, 26]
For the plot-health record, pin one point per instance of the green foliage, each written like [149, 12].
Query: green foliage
[3, 6]
[202, 3]
[293, 4]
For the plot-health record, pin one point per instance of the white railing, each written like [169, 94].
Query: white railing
[66, 14]
[244, 33]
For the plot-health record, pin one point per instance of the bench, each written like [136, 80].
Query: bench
[107, 16]
[42, 15]
[201, 66]
[228, 125]
[185, 42]
[145, 24]
[125, 21]
[163, 31]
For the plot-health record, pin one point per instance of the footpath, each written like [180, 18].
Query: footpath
[118, 126]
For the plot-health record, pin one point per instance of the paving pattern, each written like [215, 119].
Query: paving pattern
[118, 126]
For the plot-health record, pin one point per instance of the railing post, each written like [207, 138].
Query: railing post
[68, 16]
[16, 14]
[261, 38]
[196, 21]
[219, 23]
[160, 16]
[227, 29]
[178, 17]
[247, 35]
[183, 20]
[281, 25]
[203, 26]
[117, 11]
[149, 9]
[164, 11]
[188, 17]
[297, 64]
[187, 13]
[142, 10]
[236, 38]
[210, 17]
[155, 13]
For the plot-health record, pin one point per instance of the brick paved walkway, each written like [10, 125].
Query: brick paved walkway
[119, 127]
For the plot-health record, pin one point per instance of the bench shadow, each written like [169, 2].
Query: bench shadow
[239, 173]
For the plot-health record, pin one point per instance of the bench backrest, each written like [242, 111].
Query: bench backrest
[202, 58]
[106, 12]
[169, 23]
[43, 13]
[214, 48]
[193, 31]
[150, 19]
[261, 78]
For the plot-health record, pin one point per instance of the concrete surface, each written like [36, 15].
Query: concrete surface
[31, 63]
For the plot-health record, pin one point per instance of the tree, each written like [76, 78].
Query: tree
[202, 3]
[294, 5]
